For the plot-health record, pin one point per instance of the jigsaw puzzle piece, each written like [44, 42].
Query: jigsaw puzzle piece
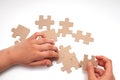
[68, 59]
[79, 36]
[20, 31]
[65, 27]
[44, 22]
[51, 34]
[84, 63]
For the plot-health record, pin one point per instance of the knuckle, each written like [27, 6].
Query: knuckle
[43, 40]
[39, 34]
[50, 53]
[49, 46]
[53, 54]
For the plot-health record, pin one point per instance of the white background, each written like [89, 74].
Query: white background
[99, 17]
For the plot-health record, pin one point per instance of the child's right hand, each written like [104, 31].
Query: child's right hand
[98, 73]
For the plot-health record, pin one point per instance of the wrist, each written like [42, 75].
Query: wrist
[5, 56]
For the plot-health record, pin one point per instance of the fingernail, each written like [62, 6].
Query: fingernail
[49, 63]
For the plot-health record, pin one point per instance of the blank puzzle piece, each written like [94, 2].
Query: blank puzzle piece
[68, 59]
[20, 31]
[44, 22]
[65, 27]
[51, 34]
[86, 38]
[84, 63]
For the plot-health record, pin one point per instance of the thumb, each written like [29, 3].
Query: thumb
[90, 71]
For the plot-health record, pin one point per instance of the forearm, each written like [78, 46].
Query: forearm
[5, 61]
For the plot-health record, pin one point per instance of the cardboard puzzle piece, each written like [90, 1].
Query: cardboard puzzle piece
[65, 27]
[86, 38]
[51, 34]
[84, 63]
[44, 22]
[62, 52]
[20, 31]
[68, 59]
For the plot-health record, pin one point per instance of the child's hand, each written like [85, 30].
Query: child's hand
[33, 51]
[101, 74]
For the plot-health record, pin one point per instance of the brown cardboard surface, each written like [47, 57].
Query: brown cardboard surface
[68, 59]
[20, 31]
[44, 22]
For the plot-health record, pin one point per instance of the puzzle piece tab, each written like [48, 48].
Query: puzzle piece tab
[20, 31]
[84, 63]
[65, 27]
[86, 38]
[68, 59]
[44, 22]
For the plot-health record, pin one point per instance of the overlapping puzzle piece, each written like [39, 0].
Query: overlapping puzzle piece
[68, 59]
[51, 34]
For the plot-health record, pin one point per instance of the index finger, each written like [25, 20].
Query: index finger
[37, 35]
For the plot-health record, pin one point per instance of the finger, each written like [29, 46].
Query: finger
[102, 58]
[108, 67]
[99, 71]
[90, 70]
[44, 62]
[48, 54]
[37, 34]
[97, 75]
[101, 63]
[106, 63]
[45, 40]
[46, 47]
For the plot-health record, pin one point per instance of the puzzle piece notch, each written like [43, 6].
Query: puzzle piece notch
[84, 63]
[65, 27]
[68, 59]
[51, 34]
[20, 31]
[44, 22]
[86, 38]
